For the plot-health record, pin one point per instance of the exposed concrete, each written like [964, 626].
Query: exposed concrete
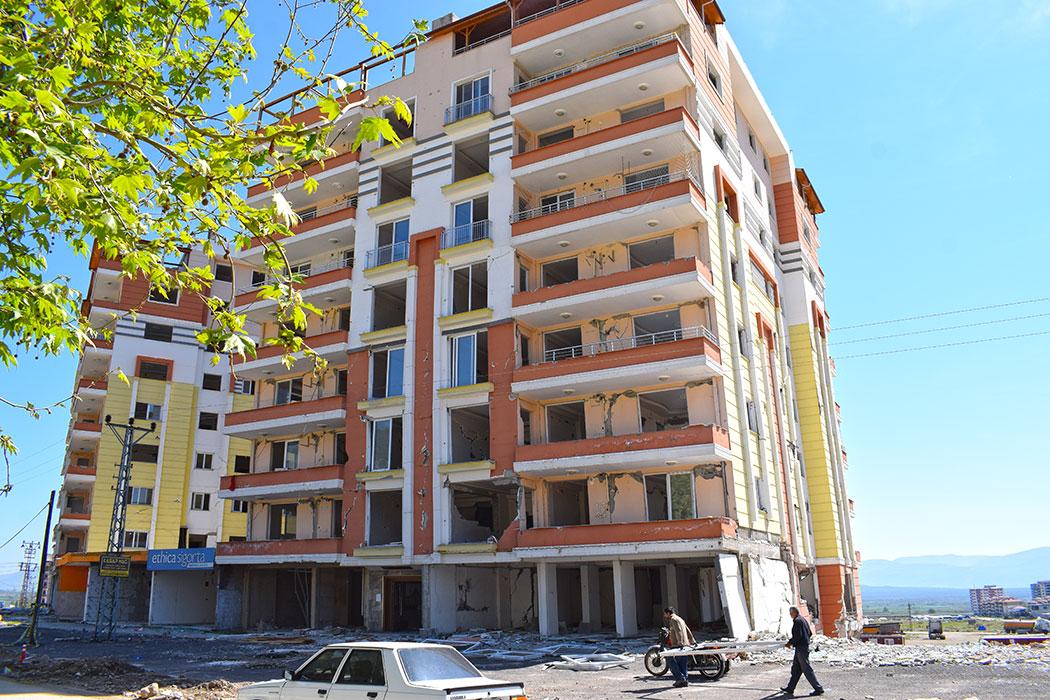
[133, 595]
[547, 597]
[731, 589]
[769, 595]
[626, 606]
[229, 597]
[439, 585]
[590, 596]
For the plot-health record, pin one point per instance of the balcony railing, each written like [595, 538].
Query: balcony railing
[608, 193]
[466, 233]
[549, 11]
[614, 344]
[594, 61]
[478, 105]
[339, 264]
[386, 254]
[308, 213]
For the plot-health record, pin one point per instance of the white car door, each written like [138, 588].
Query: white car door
[362, 677]
[314, 679]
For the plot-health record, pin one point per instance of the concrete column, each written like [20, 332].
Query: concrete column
[710, 604]
[626, 601]
[441, 598]
[547, 595]
[671, 586]
[504, 595]
[589, 595]
[313, 598]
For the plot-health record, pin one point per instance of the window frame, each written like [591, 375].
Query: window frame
[471, 271]
[290, 385]
[136, 494]
[373, 427]
[208, 461]
[200, 418]
[172, 300]
[200, 501]
[669, 504]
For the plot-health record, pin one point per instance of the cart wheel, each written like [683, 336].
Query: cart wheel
[654, 663]
[711, 667]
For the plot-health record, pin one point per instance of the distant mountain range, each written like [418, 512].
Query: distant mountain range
[952, 571]
[11, 581]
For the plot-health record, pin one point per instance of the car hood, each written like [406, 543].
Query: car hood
[270, 687]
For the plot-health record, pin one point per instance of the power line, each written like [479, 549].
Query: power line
[25, 458]
[23, 527]
[942, 313]
[943, 328]
[944, 345]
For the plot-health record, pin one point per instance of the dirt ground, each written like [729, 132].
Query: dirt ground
[69, 659]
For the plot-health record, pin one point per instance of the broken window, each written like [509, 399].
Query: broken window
[663, 410]
[284, 455]
[470, 159]
[526, 427]
[481, 512]
[288, 391]
[562, 344]
[670, 496]
[401, 127]
[145, 453]
[282, 521]
[652, 251]
[568, 503]
[384, 444]
[340, 456]
[560, 271]
[565, 421]
[391, 243]
[147, 411]
[395, 182]
[469, 434]
[384, 518]
[470, 358]
[388, 369]
[659, 327]
[388, 305]
[470, 287]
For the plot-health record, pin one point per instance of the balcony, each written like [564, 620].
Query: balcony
[92, 386]
[386, 255]
[295, 418]
[581, 29]
[327, 286]
[602, 83]
[269, 359]
[657, 138]
[674, 200]
[285, 483]
[319, 171]
[320, 230]
[466, 233]
[643, 538]
[321, 550]
[76, 474]
[471, 108]
[74, 519]
[674, 282]
[696, 444]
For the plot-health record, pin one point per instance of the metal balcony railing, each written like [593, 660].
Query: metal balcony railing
[478, 105]
[614, 344]
[594, 61]
[308, 213]
[549, 11]
[608, 193]
[345, 262]
[386, 254]
[466, 233]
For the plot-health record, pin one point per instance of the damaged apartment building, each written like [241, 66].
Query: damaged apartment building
[576, 334]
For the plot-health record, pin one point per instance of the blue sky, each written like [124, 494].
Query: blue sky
[922, 125]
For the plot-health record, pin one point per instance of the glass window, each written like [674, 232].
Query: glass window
[321, 668]
[288, 391]
[238, 506]
[629, 115]
[472, 90]
[670, 496]
[557, 136]
[200, 501]
[212, 382]
[385, 445]
[157, 331]
[223, 273]
[153, 370]
[147, 411]
[469, 359]
[208, 421]
[364, 667]
[145, 453]
[282, 521]
[170, 296]
[470, 287]
[139, 496]
[284, 455]
[435, 664]
[204, 461]
[557, 202]
[388, 370]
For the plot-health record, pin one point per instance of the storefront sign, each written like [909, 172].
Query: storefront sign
[194, 559]
[118, 565]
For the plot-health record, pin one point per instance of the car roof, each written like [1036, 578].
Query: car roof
[385, 645]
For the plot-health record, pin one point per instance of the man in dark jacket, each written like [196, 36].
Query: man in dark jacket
[800, 634]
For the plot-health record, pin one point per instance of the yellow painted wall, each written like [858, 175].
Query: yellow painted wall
[236, 524]
[824, 505]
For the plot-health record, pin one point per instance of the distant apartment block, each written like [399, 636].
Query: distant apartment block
[987, 600]
[578, 351]
[1040, 589]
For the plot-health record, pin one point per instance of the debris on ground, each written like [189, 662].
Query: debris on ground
[592, 662]
[854, 653]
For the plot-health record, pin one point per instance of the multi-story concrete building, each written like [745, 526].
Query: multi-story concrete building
[986, 600]
[1040, 589]
[172, 500]
[577, 341]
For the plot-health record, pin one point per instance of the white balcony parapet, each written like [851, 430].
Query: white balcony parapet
[613, 344]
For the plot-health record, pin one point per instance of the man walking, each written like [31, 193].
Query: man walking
[800, 634]
[680, 635]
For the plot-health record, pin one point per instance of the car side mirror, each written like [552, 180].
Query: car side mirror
[288, 675]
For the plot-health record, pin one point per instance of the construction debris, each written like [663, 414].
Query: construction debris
[592, 662]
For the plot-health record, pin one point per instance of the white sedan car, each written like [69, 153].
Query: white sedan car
[384, 671]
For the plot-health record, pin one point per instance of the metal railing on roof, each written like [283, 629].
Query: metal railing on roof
[549, 11]
[608, 193]
[466, 233]
[478, 105]
[636, 341]
[595, 61]
[480, 42]
[386, 254]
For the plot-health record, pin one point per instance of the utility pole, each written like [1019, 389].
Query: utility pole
[27, 567]
[129, 435]
[29, 636]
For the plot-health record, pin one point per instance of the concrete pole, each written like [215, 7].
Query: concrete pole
[589, 594]
[547, 596]
[626, 600]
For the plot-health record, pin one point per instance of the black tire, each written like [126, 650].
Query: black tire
[711, 667]
[655, 664]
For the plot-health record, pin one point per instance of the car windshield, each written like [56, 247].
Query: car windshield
[435, 664]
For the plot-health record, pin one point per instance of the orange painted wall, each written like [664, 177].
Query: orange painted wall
[503, 413]
[356, 432]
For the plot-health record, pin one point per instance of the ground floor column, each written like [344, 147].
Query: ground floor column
[589, 595]
[626, 602]
[547, 597]
[670, 581]
[440, 598]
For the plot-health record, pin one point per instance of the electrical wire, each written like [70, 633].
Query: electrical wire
[943, 328]
[944, 345]
[38, 513]
[941, 313]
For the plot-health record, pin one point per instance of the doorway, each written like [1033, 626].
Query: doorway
[403, 607]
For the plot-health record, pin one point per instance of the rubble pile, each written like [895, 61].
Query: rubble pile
[854, 653]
